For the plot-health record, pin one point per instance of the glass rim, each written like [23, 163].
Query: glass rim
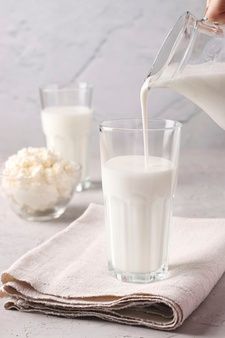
[108, 125]
[55, 87]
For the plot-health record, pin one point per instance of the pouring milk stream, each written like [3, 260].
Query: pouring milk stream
[138, 190]
[191, 63]
[203, 84]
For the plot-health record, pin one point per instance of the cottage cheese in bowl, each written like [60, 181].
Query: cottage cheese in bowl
[39, 183]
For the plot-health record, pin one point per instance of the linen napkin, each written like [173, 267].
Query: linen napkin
[67, 275]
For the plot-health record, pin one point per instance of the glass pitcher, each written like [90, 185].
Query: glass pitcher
[191, 61]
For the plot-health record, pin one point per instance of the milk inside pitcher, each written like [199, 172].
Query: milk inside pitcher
[191, 61]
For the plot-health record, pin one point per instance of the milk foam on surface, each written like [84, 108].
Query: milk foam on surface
[203, 84]
[38, 179]
[138, 205]
[67, 131]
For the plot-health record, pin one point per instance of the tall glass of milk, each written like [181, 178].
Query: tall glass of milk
[66, 117]
[138, 198]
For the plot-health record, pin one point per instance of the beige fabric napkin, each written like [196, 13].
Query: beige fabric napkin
[67, 275]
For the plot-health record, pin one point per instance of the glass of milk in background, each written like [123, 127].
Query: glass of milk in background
[138, 199]
[66, 117]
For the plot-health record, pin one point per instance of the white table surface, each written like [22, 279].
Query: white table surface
[200, 193]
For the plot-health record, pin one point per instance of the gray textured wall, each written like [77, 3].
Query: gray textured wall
[108, 43]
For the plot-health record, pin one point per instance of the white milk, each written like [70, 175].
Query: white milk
[67, 131]
[138, 189]
[138, 205]
[203, 84]
[144, 114]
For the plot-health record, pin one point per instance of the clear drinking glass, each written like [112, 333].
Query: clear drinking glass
[138, 200]
[66, 121]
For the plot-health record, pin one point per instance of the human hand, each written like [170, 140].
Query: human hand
[215, 11]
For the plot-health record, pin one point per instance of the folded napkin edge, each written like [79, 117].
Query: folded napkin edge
[175, 321]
